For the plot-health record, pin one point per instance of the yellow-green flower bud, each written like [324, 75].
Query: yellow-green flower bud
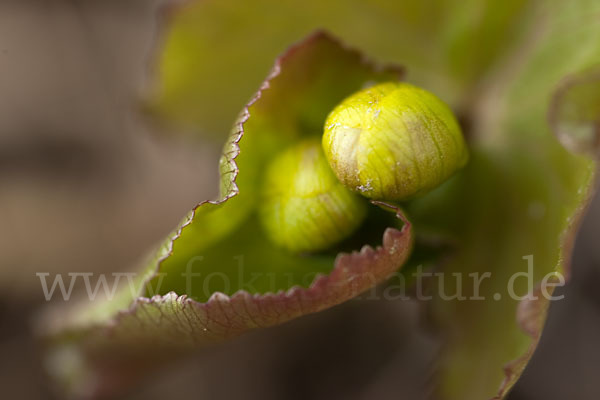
[393, 141]
[304, 207]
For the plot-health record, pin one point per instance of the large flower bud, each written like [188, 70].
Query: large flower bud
[393, 141]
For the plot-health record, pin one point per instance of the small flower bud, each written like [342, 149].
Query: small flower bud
[304, 207]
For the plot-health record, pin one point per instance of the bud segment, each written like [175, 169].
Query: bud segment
[393, 141]
[304, 207]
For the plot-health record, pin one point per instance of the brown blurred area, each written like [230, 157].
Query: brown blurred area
[86, 184]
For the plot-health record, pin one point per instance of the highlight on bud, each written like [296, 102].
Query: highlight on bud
[393, 141]
[304, 207]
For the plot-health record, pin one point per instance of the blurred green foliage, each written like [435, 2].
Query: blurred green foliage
[218, 52]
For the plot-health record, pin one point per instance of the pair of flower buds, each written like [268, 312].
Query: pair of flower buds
[389, 142]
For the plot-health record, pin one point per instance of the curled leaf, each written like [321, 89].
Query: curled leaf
[218, 276]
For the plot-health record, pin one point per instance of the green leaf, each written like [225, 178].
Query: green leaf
[218, 275]
[522, 195]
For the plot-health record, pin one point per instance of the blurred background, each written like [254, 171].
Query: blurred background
[86, 184]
